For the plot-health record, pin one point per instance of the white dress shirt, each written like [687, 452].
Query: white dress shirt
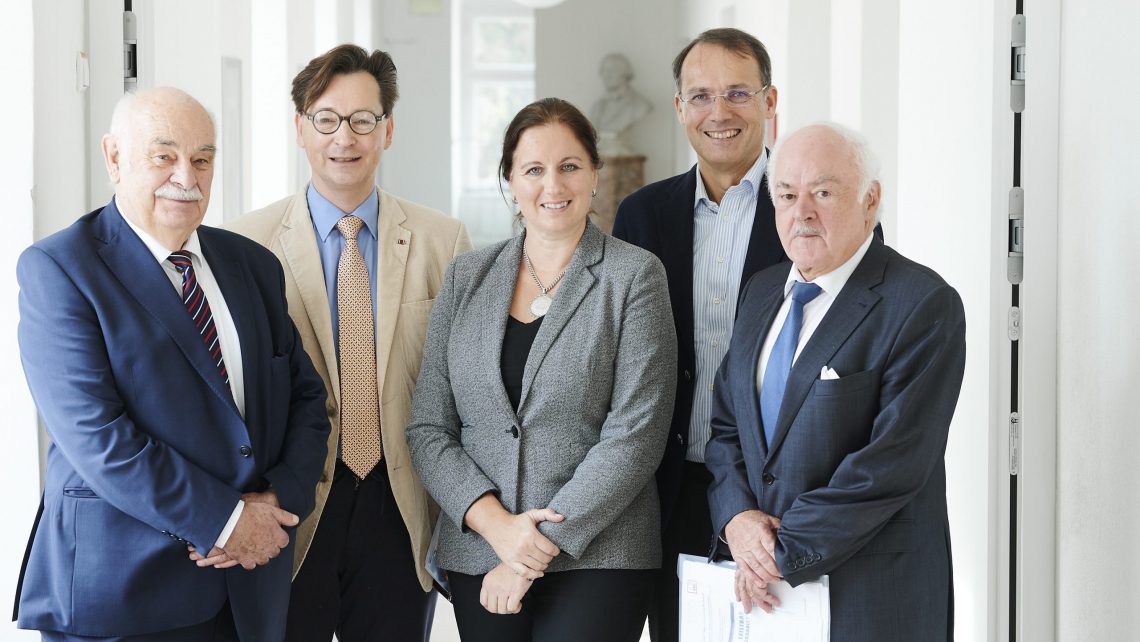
[832, 284]
[223, 323]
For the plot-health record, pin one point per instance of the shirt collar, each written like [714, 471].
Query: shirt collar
[832, 282]
[752, 178]
[158, 250]
[325, 214]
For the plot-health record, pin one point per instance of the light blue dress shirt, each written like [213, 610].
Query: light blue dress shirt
[720, 243]
[330, 243]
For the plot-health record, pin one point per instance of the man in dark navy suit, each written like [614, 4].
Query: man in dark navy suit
[713, 227]
[832, 407]
[187, 422]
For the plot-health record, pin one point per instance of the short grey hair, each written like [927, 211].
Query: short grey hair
[866, 163]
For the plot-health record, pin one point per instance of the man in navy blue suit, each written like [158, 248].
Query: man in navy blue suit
[184, 414]
[832, 407]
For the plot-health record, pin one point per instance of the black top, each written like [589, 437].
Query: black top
[516, 347]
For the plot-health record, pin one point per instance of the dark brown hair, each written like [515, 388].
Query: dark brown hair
[734, 40]
[548, 111]
[314, 79]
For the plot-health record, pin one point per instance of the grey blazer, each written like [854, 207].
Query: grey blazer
[597, 396]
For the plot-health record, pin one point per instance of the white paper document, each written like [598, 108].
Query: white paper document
[710, 612]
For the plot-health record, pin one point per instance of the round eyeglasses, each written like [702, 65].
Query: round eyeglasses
[701, 101]
[327, 121]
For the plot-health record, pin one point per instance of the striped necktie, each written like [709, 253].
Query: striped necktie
[199, 308]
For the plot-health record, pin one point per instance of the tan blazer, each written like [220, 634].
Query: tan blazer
[415, 244]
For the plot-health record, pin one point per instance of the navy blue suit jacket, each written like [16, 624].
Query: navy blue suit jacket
[149, 452]
[855, 470]
[659, 218]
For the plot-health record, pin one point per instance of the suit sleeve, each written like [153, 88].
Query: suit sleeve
[295, 475]
[634, 433]
[447, 471]
[729, 492]
[920, 383]
[69, 373]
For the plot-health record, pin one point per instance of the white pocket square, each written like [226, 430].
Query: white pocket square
[827, 373]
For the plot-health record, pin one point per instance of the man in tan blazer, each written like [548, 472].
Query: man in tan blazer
[347, 246]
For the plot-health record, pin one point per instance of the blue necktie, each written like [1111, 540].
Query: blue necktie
[780, 361]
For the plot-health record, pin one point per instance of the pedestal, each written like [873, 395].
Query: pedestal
[620, 177]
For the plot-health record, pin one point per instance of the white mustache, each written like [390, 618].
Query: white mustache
[173, 192]
[806, 230]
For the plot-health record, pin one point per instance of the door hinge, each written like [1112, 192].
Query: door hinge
[1015, 259]
[1014, 443]
[130, 52]
[1017, 64]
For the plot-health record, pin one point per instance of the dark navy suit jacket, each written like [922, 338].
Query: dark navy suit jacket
[149, 452]
[855, 470]
[659, 218]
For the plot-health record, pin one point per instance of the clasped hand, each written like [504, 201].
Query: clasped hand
[503, 590]
[751, 537]
[258, 536]
[519, 544]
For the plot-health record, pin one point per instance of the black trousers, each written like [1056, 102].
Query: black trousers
[219, 629]
[595, 605]
[688, 531]
[359, 578]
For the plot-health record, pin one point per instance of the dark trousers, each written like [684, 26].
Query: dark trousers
[359, 578]
[219, 629]
[688, 531]
[598, 605]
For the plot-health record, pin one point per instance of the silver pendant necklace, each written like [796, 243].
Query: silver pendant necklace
[540, 304]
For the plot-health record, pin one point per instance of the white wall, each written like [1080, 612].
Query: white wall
[1099, 313]
[19, 464]
[418, 166]
[570, 42]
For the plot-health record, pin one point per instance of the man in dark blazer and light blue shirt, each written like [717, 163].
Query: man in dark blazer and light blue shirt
[832, 407]
[182, 409]
[712, 227]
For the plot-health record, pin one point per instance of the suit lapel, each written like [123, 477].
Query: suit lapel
[764, 247]
[575, 285]
[853, 305]
[129, 260]
[234, 284]
[392, 244]
[303, 265]
[495, 295]
[676, 243]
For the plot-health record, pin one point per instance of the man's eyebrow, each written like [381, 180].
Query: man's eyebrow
[826, 178]
[208, 148]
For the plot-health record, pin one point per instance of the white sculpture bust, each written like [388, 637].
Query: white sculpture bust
[620, 107]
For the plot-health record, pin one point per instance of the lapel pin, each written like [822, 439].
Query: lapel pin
[401, 242]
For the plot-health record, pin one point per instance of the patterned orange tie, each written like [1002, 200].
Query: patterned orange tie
[359, 399]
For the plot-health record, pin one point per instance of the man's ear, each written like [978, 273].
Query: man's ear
[112, 156]
[389, 127]
[871, 199]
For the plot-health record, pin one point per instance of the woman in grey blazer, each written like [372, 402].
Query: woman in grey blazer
[543, 404]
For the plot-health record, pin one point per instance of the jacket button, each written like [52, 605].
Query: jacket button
[817, 557]
[513, 431]
[245, 451]
[769, 479]
[680, 439]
